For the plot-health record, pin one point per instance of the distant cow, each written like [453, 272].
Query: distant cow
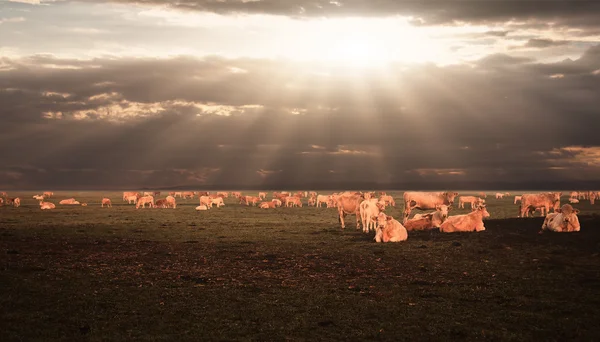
[573, 200]
[188, 194]
[472, 200]
[160, 203]
[482, 195]
[388, 200]
[202, 207]
[142, 201]
[517, 199]
[546, 201]
[499, 195]
[563, 220]
[205, 200]
[322, 199]
[349, 204]
[267, 205]
[277, 202]
[225, 194]
[133, 198]
[389, 230]
[69, 201]
[38, 197]
[107, 202]
[217, 201]
[293, 202]
[171, 202]
[472, 221]
[17, 202]
[426, 200]
[48, 194]
[46, 205]
[129, 194]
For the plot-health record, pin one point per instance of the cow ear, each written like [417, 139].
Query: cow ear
[576, 211]
[449, 208]
[437, 207]
[389, 218]
[558, 210]
[456, 194]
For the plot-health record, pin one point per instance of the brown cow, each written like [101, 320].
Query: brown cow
[293, 202]
[224, 194]
[545, 201]
[349, 204]
[188, 194]
[426, 200]
[107, 202]
[472, 221]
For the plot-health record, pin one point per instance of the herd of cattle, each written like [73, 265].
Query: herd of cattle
[368, 208]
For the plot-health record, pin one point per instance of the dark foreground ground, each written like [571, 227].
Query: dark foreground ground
[289, 274]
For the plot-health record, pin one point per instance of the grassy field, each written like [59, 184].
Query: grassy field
[242, 273]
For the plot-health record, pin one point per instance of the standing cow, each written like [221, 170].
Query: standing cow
[426, 200]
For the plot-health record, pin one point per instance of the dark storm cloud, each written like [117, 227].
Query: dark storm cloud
[576, 13]
[159, 122]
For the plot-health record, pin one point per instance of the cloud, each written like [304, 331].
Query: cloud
[151, 122]
[11, 20]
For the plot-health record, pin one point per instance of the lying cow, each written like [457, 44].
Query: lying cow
[472, 221]
[426, 200]
[38, 197]
[573, 200]
[46, 205]
[429, 220]
[389, 230]
[562, 220]
[267, 205]
[69, 201]
[201, 207]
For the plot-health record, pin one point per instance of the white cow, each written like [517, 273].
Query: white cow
[389, 230]
[369, 210]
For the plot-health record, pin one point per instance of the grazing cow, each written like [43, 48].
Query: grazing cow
[133, 198]
[224, 194]
[202, 207]
[349, 204]
[3, 194]
[217, 201]
[107, 202]
[545, 200]
[437, 217]
[171, 202]
[161, 203]
[426, 200]
[84, 204]
[46, 205]
[293, 201]
[517, 199]
[48, 194]
[388, 200]
[563, 220]
[474, 201]
[277, 202]
[39, 197]
[389, 230]
[128, 194]
[499, 195]
[205, 200]
[69, 201]
[472, 221]
[142, 201]
[573, 200]
[322, 199]
[267, 205]
[188, 194]
[369, 210]
[482, 195]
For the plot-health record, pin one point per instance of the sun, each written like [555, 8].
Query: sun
[358, 50]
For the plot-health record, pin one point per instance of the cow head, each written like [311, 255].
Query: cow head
[483, 210]
[380, 205]
[450, 197]
[443, 209]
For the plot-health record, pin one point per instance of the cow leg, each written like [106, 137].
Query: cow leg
[341, 215]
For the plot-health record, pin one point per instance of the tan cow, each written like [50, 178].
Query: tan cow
[472, 200]
[133, 198]
[293, 201]
[563, 220]
[472, 221]
[592, 197]
[202, 207]
[322, 199]
[46, 205]
[17, 202]
[573, 200]
[437, 217]
[188, 194]
[128, 194]
[426, 200]
[267, 205]
[107, 202]
[388, 200]
[517, 199]
[142, 201]
[424, 222]
[499, 195]
[48, 194]
[171, 202]
[545, 200]
[574, 194]
[349, 204]
[236, 194]
[38, 197]
[178, 193]
[225, 194]
[312, 193]
[69, 201]
[205, 200]
[389, 230]
[277, 202]
[482, 195]
[217, 201]
[148, 193]
[369, 210]
[312, 201]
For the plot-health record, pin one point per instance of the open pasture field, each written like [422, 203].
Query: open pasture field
[243, 273]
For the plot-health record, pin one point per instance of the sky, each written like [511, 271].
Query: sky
[98, 94]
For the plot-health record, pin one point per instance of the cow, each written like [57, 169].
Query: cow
[202, 193]
[517, 199]
[267, 205]
[225, 194]
[389, 230]
[426, 200]
[236, 194]
[424, 222]
[293, 201]
[148, 193]
[205, 200]
[188, 194]
[369, 210]
[107, 202]
[156, 193]
[178, 193]
[69, 201]
[312, 193]
[499, 195]
[474, 201]
[482, 195]
[574, 194]
[46, 205]
[16, 202]
[312, 201]
[349, 204]
[133, 198]
[249, 200]
[562, 220]
[38, 197]
[388, 200]
[472, 221]
[3, 194]
[322, 199]
[545, 200]
[202, 207]
[161, 203]
[573, 200]
[217, 201]
[128, 194]
[437, 217]
[1, 201]
[171, 202]
[142, 201]
[172, 193]
[84, 204]
[592, 197]
[48, 194]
